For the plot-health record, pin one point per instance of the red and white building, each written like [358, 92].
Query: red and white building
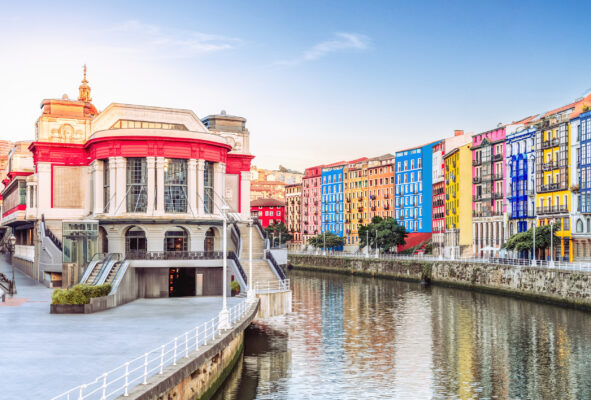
[140, 182]
[268, 211]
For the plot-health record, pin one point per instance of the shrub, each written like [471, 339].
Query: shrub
[235, 286]
[79, 294]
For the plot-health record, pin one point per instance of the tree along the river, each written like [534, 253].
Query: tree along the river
[278, 232]
[386, 231]
[330, 240]
[524, 241]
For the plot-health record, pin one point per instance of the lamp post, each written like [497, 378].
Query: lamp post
[324, 243]
[11, 246]
[533, 261]
[224, 315]
[367, 243]
[251, 295]
[377, 254]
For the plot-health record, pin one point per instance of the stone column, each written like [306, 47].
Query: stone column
[151, 191]
[192, 187]
[159, 186]
[97, 168]
[120, 185]
[245, 194]
[112, 188]
[200, 187]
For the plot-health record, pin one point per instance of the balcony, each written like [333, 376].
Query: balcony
[551, 187]
[486, 213]
[549, 166]
[497, 157]
[360, 220]
[497, 195]
[477, 162]
[498, 176]
[551, 210]
[174, 255]
[547, 144]
[476, 179]
[360, 209]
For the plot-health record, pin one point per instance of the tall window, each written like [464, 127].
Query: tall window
[175, 185]
[106, 186]
[137, 182]
[208, 184]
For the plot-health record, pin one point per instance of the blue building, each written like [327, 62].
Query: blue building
[414, 188]
[521, 182]
[333, 219]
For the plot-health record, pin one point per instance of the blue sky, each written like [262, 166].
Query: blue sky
[318, 81]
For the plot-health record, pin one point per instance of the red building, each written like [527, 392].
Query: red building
[268, 211]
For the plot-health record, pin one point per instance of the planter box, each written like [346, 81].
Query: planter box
[68, 308]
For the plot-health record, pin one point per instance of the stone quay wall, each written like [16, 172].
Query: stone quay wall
[200, 375]
[570, 288]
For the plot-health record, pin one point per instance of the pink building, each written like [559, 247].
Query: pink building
[488, 191]
[311, 202]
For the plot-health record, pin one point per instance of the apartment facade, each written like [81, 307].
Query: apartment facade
[293, 212]
[356, 200]
[381, 186]
[311, 202]
[332, 200]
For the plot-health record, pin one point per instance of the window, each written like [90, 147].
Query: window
[175, 185]
[106, 186]
[175, 239]
[131, 124]
[208, 185]
[136, 194]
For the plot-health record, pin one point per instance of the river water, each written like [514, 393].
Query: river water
[362, 338]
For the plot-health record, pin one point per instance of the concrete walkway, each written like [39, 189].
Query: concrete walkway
[43, 355]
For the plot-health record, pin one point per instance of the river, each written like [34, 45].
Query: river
[362, 338]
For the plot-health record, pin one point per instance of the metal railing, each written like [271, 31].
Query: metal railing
[520, 262]
[278, 270]
[272, 286]
[174, 255]
[120, 380]
[234, 257]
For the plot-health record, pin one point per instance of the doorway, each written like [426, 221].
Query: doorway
[209, 240]
[181, 282]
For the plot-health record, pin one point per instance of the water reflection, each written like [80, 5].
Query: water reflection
[352, 338]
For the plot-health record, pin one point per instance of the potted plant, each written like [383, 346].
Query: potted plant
[574, 188]
[234, 288]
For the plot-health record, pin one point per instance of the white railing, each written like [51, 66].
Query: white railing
[25, 252]
[518, 262]
[120, 380]
[272, 286]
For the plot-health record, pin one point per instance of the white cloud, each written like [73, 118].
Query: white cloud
[342, 41]
[171, 43]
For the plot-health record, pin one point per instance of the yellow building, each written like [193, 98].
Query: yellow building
[458, 202]
[356, 200]
[553, 178]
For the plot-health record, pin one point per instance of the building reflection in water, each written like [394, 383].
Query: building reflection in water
[352, 338]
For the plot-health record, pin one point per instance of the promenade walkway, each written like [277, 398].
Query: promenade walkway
[43, 355]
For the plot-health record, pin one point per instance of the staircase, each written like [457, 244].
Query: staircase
[113, 272]
[94, 274]
[261, 270]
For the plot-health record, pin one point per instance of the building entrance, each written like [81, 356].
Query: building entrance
[181, 282]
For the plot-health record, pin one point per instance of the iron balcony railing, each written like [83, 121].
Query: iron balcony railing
[546, 144]
[486, 213]
[174, 255]
[497, 157]
[476, 179]
[549, 166]
[551, 209]
[550, 187]
[477, 162]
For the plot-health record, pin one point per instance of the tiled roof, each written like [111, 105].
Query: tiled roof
[267, 203]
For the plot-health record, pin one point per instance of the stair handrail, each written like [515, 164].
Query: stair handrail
[48, 233]
[232, 256]
[239, 234]
[119, 275]
[96, 258]
[278, 270]
[106, 262]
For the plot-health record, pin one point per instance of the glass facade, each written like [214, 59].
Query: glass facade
[137, 182]
[80, 241]
[175, 185]
[106, 186]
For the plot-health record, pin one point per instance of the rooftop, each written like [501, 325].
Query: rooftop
[267, 203]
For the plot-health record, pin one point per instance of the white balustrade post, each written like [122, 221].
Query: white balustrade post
[161, 359]
[80, 397]
[186, 344]
[196, 338]
[174, 357]
[146, 369]
[126, 379]
[224, 317]
[104, 396]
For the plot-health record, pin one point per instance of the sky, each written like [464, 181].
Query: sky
[317, 81]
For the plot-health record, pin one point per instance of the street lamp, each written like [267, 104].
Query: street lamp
[533, 261]
[224, 315]
[251, 295]
[551, 244]
[324, 243]
[377, 253]
[11, 246]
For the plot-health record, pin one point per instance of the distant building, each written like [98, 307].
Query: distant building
[332, 199]
[268, 183]
[311, 202]
[293, 217]
[356, 201]
[581, 184]
[268, 211]
[267, 190]
[380, 175]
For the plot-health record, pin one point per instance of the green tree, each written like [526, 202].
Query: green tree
[278, 232]
[386, 231]
[524, 240]
[332, 241]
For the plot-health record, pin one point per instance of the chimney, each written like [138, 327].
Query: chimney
[458, 132]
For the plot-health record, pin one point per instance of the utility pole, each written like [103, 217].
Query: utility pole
[552, 244]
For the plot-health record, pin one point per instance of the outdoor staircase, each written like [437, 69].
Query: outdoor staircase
[261, 270]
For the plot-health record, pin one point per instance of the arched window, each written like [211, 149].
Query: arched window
[176, 239]
[209, 240]
[135, 240]
[579, 226]
[588, 225]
